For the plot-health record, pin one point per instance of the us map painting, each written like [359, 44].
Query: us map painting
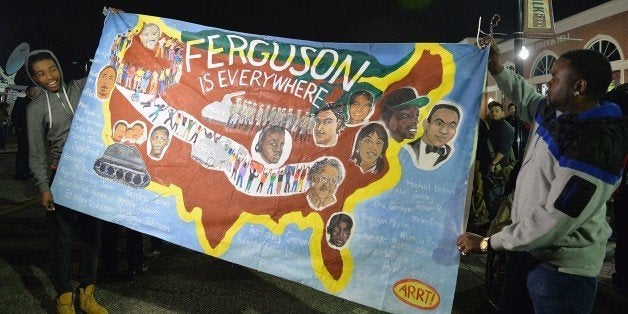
[341, 166]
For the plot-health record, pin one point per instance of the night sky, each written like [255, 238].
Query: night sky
[72, 28]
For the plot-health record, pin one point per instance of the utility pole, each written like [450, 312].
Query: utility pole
[518, 67]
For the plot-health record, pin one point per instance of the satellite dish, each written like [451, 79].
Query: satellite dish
[17, 58]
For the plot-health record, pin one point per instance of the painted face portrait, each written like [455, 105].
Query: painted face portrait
[441, 128]
[339, 230]
[359, 108]
[159, 140]
[150, 35]
[137, 131]
[403, 123]
[271, 146]
[326, 128]
[400, 112]
[370, 148]
[46, 74]
[105, 82]
[324, 181]
[119, 131]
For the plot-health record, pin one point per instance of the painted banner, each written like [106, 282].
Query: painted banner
[341, 166]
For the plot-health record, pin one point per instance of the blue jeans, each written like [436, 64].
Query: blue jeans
[554, 292]
[532, 286]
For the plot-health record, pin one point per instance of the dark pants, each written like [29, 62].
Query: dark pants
[620, 227]
[493, 195]
[135, 255]
[532, 286]
[156, 244]
[21, 157]
[62, 221]
[4, 136]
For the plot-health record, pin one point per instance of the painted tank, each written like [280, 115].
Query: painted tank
[123, 164]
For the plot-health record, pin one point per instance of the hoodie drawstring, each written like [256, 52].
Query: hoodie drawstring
[71, 111]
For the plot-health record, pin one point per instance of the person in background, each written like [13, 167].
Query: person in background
[556, 242]
[4, 125]
[619, 95]
[522, 130]
[49, 119]
[495, 153]
[18, 116]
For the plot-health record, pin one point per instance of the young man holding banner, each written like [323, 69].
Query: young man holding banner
[557, 240]
[49, 119]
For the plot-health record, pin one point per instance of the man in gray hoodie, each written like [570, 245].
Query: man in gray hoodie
[557, 240]
[49, 119]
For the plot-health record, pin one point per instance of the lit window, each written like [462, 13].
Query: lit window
[544, 65]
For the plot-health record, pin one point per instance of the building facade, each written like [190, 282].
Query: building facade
[603, 28]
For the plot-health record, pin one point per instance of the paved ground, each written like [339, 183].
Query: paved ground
[184, 281]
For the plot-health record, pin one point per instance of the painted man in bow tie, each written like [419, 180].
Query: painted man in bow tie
[440, 127]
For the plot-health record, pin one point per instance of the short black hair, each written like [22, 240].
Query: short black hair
[370, 128]
[443, 106]
[109, 66]
[264, 134]
[160, 128]
[338, 110]
[593, 67]
[337, 219]
[493, 104]
[44, 55]
[361, 92]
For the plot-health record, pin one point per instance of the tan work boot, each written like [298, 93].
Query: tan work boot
[88, 303]
[65, 303]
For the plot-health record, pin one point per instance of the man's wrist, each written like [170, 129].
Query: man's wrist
[485, 245]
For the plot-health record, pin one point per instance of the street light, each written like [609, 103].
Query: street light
[524, 53]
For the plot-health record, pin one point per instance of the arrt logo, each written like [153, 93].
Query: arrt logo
[416, 294]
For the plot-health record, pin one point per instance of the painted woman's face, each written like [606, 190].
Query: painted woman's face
[359, 109]
[370, 148]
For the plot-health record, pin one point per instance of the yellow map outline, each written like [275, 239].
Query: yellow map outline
[312, 220]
